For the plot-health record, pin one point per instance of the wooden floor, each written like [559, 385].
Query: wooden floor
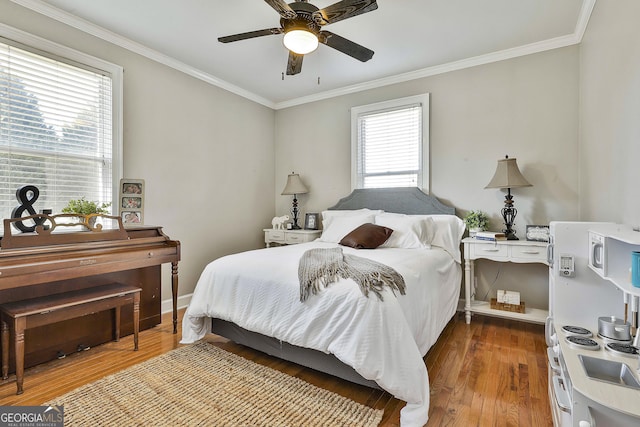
[490, 373]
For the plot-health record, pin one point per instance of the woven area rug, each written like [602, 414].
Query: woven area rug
[202, 385]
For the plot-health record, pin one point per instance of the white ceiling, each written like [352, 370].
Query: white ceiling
[411, 39]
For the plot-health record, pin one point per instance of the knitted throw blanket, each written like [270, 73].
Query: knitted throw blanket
[320, 267]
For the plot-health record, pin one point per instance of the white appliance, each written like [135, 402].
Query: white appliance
[577, 297]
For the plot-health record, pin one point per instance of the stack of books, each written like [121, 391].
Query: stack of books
[491, 236]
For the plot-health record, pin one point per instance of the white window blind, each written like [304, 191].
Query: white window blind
[55, 129]
[388, 143]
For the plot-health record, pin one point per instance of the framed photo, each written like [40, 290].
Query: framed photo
[538, 233]
[311, 221]
[131, 217]
[131, 201]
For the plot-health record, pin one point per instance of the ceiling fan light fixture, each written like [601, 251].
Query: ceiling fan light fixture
[300, 41]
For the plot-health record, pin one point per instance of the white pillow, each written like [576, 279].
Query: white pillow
[336, 227]
[333, 213]
[443, 231]
[448, 233]
[409, 231]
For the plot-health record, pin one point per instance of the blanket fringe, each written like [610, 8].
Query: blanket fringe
[320, 267]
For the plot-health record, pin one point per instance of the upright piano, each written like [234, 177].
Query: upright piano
[40, 264]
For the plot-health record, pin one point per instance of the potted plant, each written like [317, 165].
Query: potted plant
[476, 221]
[85, 207]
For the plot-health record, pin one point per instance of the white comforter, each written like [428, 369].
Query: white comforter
[383, 341]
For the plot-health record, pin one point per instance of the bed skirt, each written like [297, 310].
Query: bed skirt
[310, 358]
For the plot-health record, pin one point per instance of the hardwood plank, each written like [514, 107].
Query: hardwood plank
[489, 373]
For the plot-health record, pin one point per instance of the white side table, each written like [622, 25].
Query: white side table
[289, 237]
[517, 251]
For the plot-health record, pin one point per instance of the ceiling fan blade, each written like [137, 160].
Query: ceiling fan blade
[249, 35]
[282, 8]
[348, 47]
[342, 10]
[294, 65]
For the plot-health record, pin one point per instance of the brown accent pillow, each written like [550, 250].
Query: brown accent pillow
[366, 236]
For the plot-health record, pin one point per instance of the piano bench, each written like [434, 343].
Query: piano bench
[18, 316]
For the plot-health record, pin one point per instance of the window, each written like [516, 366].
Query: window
[57, 126]
[390, 144]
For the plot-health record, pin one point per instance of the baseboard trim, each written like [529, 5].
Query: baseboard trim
[183, 302]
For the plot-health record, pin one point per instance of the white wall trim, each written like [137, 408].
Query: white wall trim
[583, 19]
[95, 30]
[111, 37]
[183, 302]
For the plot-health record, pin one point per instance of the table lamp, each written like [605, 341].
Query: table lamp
[508, 176]
[294, 187]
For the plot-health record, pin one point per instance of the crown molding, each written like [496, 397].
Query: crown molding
[555, 43]
[583, 18]
[438, 69]
[111, 37]
[97, 31]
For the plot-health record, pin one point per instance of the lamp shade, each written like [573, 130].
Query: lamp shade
[294, 185]
[507, 175]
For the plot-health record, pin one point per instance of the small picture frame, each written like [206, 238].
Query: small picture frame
[131, 201]
[538, 233]
[131, 217]
[311, 221]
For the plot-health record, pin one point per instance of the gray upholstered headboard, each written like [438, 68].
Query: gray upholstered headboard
[406, 200]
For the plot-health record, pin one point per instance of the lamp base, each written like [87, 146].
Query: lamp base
[509, 232]
[294, 213]
[509, 215]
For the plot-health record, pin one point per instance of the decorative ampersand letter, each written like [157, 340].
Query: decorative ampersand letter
[22, 194]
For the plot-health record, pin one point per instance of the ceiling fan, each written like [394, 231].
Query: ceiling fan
[301, 23]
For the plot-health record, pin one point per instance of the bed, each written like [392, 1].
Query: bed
[253, 298]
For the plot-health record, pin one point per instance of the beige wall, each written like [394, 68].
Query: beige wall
[205, 154]
[525, 107]
[610, 114]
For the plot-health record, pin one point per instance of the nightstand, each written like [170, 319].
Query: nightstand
[517, 251]
[289, 237]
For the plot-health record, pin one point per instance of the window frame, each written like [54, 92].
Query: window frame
[394, 104]
[74, 57]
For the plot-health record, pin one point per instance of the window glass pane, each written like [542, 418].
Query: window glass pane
[389, 147]
[55, 130]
